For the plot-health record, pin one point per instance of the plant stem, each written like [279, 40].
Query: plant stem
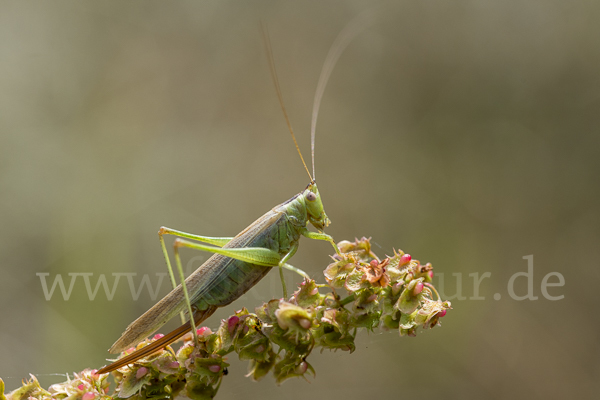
[346, 300]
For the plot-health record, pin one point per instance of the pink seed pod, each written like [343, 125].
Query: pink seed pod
[158, 336]
[80, 387]
[304, 323]
[405, 259]
[204, 331]
[301, 368]
[314, 291]
[374, 263]
[88, 396]
[214, 368]
[430, 274]
[371, 298]
[442, 313]
[418, 288]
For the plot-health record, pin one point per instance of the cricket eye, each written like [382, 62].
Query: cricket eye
[310, 196]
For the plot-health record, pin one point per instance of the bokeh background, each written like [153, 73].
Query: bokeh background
[465, 133]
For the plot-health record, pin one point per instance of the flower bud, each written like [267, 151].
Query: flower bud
[304, 323]
[345, 246]
[360, 248]
[434, 321]
[139, 374]
[292, 316]
[301, 368]
[422, 317]
[397, 288]
[390, 323]
[204, 331]
[307, 294]
[408, 301]
[232, 323]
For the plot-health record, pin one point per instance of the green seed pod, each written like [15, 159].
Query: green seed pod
[408, 301]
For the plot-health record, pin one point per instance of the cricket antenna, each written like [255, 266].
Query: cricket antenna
[278, 89]
[340, 43]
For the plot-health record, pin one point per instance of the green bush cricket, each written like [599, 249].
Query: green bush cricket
[240, 262]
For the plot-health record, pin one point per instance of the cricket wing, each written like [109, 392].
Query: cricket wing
[198, 283]
[167, 308]
[158, 344]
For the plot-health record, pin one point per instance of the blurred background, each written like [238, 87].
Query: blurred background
[465, 133]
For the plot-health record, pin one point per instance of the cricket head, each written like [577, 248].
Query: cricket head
[314, 207]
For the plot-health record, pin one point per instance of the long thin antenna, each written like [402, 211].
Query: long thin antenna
[340, 43]
[278, 89]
